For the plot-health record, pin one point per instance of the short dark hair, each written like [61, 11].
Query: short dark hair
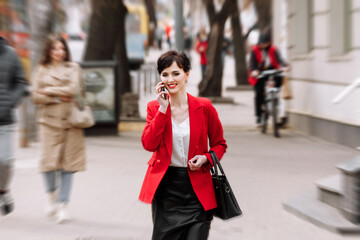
[166, 59]
[51, 39]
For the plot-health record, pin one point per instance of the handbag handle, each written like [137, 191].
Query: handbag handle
[217, 164]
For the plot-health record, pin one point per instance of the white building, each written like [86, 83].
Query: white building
[321, 39]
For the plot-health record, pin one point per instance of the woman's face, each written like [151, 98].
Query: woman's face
[174, 78]
[203, 37]
[57, 52]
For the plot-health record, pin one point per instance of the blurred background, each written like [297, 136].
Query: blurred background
[320, 40]
[118, 42]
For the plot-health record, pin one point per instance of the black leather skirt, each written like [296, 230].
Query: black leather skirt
[177, 212]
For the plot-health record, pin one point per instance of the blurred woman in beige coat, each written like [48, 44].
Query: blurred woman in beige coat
[56, 81]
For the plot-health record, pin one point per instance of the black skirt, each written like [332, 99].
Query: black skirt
[176, 210]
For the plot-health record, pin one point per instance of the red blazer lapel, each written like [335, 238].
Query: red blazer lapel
[196, 118]
[168, 132]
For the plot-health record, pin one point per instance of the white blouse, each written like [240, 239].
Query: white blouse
[181, 140]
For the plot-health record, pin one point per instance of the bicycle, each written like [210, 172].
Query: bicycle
[271, 99]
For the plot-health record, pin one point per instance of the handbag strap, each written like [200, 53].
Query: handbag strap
[80, 97]
[214, 170]
[216, 163]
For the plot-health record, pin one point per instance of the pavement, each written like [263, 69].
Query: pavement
[263, 171]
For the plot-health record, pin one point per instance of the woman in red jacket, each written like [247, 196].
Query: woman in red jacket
[201, 48]
[178, 129]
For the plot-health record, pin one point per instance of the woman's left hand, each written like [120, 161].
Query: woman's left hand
[197, 161]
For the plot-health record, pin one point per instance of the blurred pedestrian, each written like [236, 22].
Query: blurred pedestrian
[264, 56]
[168, 34]
[12, 87]
[178, 129]
[159, 33]
[55, 83]
[187, 42]
[201, 48]
[225, 45]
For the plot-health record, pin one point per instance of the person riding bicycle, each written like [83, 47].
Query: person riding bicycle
[264, 56]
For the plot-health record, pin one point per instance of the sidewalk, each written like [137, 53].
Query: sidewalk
[104, 203]
[264, 172]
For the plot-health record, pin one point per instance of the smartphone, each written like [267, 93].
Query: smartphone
[164, 95]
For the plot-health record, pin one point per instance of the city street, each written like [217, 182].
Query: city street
[72, 64]
[264, 172]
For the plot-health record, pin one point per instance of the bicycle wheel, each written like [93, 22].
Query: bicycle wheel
[264, 118]
[274, 111]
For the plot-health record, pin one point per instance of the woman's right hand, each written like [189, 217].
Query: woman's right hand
[164, 103]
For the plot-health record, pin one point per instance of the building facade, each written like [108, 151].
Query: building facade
[321, 39]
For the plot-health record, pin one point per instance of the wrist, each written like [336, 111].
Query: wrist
[162, 109]
[205, 160]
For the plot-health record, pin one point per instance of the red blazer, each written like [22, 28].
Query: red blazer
[157, 137]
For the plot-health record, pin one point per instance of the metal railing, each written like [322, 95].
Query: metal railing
[145, 79]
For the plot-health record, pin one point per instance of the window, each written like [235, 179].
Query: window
[311, 16]
[340, 27]
[302, 26]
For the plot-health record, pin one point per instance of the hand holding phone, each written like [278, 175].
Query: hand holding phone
[164, 95]
[161, 96]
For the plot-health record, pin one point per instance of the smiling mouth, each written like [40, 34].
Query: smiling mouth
[171, 85]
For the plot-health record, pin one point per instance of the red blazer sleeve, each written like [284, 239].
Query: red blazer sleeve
[216, 135]
[155, 124]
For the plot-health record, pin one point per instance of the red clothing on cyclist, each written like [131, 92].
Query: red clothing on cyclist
[262, 59]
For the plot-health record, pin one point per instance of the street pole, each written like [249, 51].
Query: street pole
[179, 34]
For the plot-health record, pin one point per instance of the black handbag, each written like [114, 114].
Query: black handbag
[227, 207]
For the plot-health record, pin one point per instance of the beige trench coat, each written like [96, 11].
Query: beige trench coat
[62, 147]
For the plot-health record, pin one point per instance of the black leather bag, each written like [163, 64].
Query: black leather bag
[228, 207]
